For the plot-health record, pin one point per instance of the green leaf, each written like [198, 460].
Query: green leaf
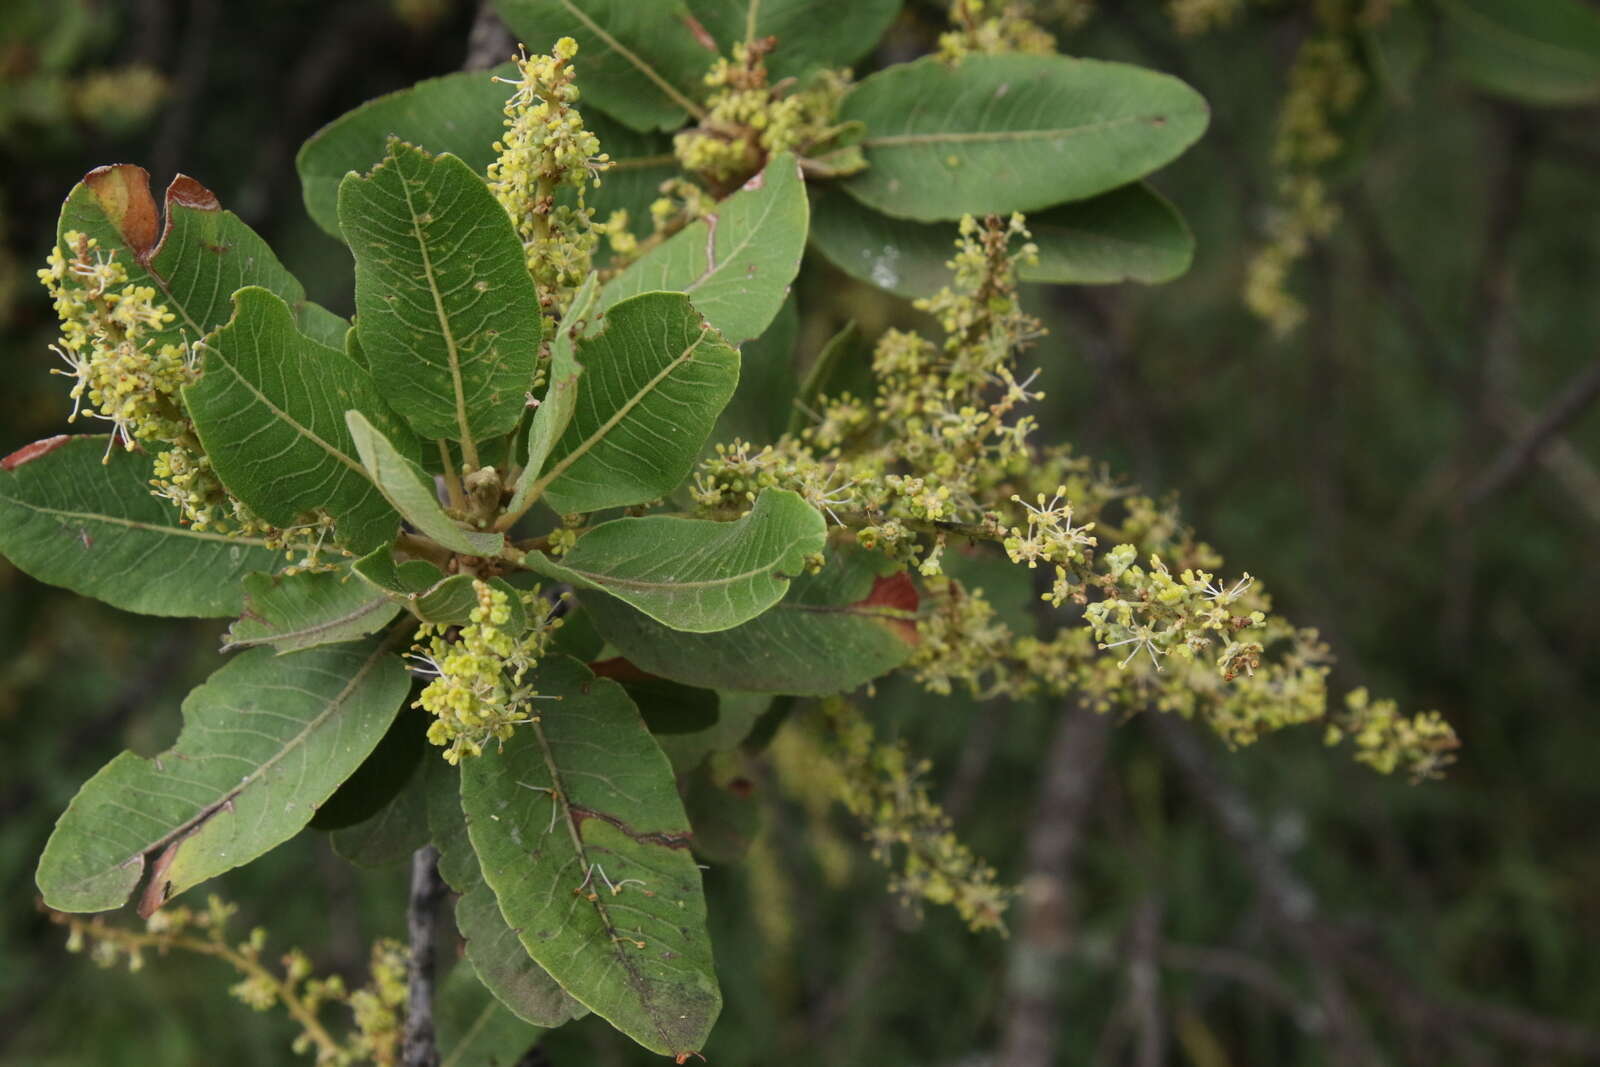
[1006, 133]
[410, 491]
[1541, 53]
[693, 574]
[445, 308]
[474, 1029]
[737, 262]
[390, 769]
[560, 399]
[807, 37]
[1131, 234]
[835, 630]
[70, 520]
[458, 113]
[639, 62]
[759, 410]
[584, 801]
[844, 365]
[723, 809]
[196, 260]
[265, 741]
[269, 408]
[493, 947]
[463, 114]
[294, 612]
[655, 377]
[422, 587]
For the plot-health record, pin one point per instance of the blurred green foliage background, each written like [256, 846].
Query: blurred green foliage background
[1345, 465]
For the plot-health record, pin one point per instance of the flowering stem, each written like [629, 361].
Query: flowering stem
[328, 1049]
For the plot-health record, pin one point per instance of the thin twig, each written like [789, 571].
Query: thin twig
[419, 1048]
[1513, 463]
[1144, 984]
[1072, 769]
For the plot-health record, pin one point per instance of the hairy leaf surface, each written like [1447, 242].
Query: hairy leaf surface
[265, 741]
[694, 574]
[409, 489]
[493, 947]
[68, 519]
[298, 611]
[445, 309]
[735, 263]
[1013, 132]
[835, 630]
[655, 376]
[560, 399]
[582, 837]
[269, 408]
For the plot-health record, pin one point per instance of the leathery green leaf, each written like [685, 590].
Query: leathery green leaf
[1132, 234]
[269, 408]
[655, 377]
[445, 308]
[835, 630]
[736, 263]
[265, 741]
[694, 574]
[69, 519]
[410, 490]
[560, 399]
[298, 611]
[639, 62]
[1546, 52]
[493, 947]
[997, 134]
[580, 833]
[809, 37]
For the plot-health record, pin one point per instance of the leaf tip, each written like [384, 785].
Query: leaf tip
[123, 193]
[29, 453]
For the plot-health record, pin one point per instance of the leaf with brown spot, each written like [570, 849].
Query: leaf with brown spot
[195, 259]
[257, 755]
[579, 831]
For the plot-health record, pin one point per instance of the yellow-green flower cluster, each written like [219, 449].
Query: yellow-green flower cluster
[377, 1008]
[881, 785]
[1325, 84]
[1192, 17]
[1386, 740]
[942, 453]
[478, 692]
[748, 119]
[546, 149]
[988, 27]
[124, 370]
[110, 342]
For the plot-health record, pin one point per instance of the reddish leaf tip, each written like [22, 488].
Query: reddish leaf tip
[29, 453]
[123, 191]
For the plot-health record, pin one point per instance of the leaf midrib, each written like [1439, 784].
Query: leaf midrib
[1006, 136]
[621, 413]
[133, 524]
[365, 608]
[452, 353]
[221, 802]
[562, 797]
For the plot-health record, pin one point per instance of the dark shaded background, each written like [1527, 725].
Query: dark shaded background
[1383, 470]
